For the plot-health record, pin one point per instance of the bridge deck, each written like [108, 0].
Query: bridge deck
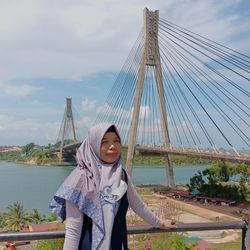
[229, 156]
[197, 153]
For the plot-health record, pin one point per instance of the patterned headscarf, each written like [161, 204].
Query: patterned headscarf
[94, 186]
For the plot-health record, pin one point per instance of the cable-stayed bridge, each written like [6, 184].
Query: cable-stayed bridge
[181, 93]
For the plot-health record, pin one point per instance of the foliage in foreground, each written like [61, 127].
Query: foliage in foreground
[159, 241]
[54, 244]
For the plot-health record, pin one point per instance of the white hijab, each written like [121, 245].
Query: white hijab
[107, 180]
[94, 186]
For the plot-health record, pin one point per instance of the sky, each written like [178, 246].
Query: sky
[56, 49]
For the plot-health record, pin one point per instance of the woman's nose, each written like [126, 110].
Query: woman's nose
[111, 146]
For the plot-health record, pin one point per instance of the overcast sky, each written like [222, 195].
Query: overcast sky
[53, 49]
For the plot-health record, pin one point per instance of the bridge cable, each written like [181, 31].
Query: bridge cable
[203, 108]
[208, 66]
[208, 78]
[185, 98]
[210, 140]
[205, 38]
[183, 130]
[123, 73]
[203, 53]
[219, 110]
[212, 49]
[175, 99]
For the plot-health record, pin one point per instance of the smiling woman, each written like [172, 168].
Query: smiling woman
[95, 197]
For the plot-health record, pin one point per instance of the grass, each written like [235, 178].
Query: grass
[235, 245]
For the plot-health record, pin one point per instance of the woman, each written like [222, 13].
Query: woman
[94, 198]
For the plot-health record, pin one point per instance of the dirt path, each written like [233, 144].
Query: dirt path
[207, 212]
[189, 213]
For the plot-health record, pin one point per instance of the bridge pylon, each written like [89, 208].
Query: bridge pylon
[150, 57]
[67, 121]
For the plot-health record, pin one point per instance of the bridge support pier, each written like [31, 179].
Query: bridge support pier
[169, 169]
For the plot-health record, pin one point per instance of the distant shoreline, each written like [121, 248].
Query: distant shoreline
[136, 165]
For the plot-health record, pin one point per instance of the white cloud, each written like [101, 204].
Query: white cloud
[18, 90]
[16, 16]
[125, 114]
[88, 104]
[22, 131]
[82, 126]
[106, 109]
[72, 39]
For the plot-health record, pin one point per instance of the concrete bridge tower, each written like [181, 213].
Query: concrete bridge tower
[150, 57]
[68, 121]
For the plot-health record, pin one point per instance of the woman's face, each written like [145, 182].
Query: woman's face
[110, 147]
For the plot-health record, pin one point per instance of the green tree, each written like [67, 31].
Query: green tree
[243, 180]
[211, 176]
[244, 171]
[28, 148]
[196, 182]
[221, 170]
[36, 217]
[16, 217]
[52, 217]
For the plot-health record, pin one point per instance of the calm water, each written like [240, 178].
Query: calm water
[34, 186]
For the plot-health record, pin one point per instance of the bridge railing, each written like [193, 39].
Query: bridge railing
[210, 226]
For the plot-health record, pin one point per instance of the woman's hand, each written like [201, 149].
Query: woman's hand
[168, 224]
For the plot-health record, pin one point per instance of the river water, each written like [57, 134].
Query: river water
[34, 186]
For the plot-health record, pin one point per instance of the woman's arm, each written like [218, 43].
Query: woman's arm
[140, 208]
[74, 220]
